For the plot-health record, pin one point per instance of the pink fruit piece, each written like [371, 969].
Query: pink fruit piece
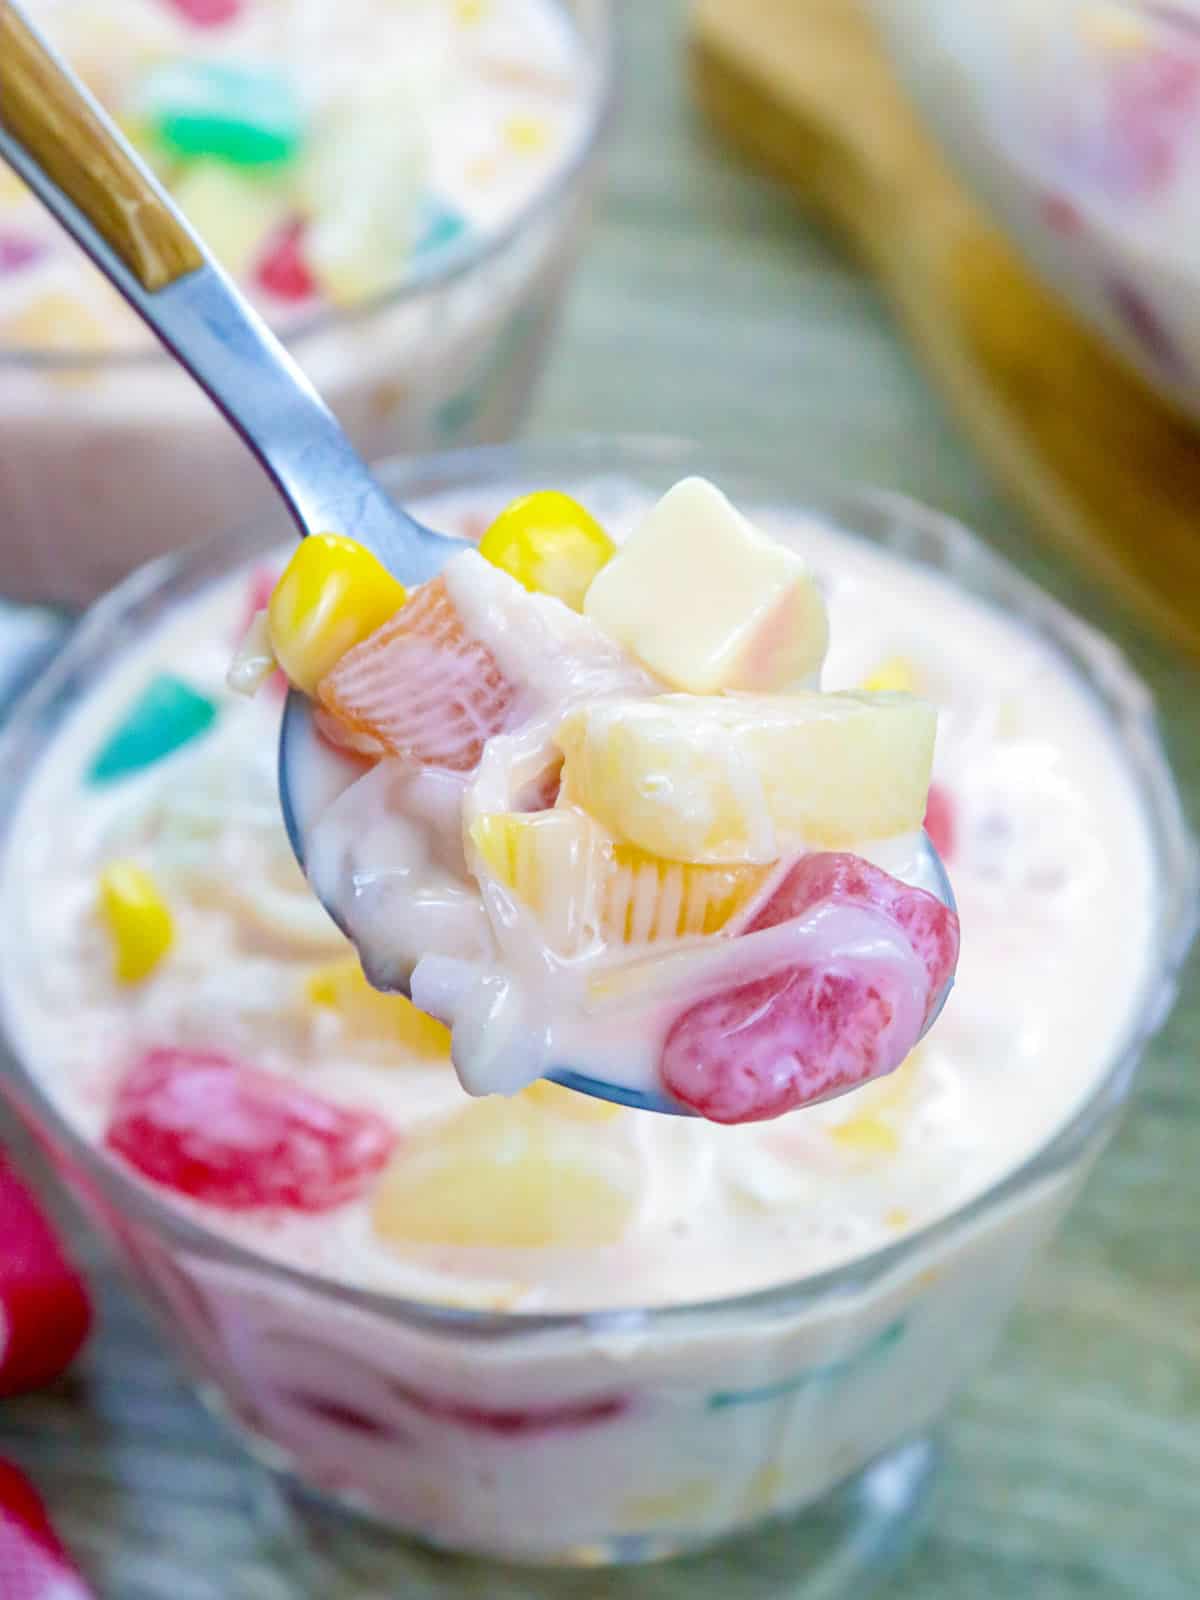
[33, 1563]
[209, 13]
[931, 927]
[810, 1032]
[421, 686]
[940, 822]
[283, 269]
[45, 1312]
[208, 1126]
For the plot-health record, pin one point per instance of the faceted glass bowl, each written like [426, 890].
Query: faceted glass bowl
[618, 1436]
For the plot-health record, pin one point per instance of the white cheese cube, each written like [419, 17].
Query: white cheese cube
[709, 603]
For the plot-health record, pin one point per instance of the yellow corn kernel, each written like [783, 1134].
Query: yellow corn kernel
[342, 987]
[897, 675]
[897, 1218]
[333, 593]
[526, 134]
[139, 923]
[550, 544]
[562, 1102]
[867, 1133]
[469, 12]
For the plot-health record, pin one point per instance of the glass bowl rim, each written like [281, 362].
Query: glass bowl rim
[458, 261]
[1134, 725]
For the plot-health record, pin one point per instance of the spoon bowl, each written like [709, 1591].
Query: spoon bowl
[307, 786]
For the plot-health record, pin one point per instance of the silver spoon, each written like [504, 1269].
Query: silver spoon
[57, 138]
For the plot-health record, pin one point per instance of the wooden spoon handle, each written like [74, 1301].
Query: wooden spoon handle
[46, 111]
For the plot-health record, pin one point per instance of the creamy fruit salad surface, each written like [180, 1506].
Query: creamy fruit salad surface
[181, 997]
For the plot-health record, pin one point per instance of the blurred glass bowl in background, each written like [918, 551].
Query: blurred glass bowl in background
[111, 457]
[1077, 123]
[622, 1431]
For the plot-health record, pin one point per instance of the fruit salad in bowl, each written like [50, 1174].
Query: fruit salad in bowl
[587, 805]
[399, 188]
[535, 1324]
[1077, 122]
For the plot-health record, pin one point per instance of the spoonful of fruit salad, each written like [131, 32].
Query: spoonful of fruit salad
[586, 804]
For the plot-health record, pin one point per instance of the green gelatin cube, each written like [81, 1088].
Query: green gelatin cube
[167, 714]
[247, 116]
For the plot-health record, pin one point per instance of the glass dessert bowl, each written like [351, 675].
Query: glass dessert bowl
[1077, 122]
[539, 1328]
[413, 263]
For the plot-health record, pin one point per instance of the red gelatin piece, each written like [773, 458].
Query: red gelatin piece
[45, 1313]
[282, 269]
[421, 686]
[33, 1563]
[208, 13]
[517, 1423]
[789, 1040]
[213, 1128]
[940, 823]
[931, 927]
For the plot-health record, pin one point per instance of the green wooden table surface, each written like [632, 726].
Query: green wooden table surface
[707, 307]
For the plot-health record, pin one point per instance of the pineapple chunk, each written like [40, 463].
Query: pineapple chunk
[750, 778]
[550, 860]
[580, 883]
[707, 602]
[504, 1174]
[361, 183]
[365, 1012]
